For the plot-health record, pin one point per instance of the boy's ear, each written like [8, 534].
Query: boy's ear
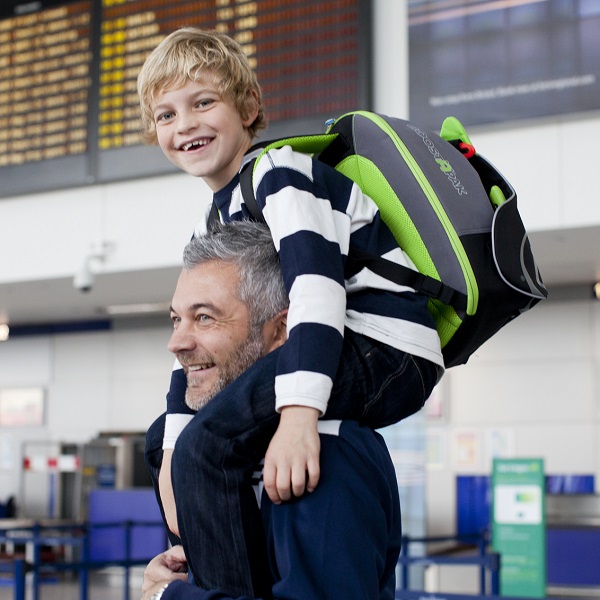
[251, 108]
[275, 331]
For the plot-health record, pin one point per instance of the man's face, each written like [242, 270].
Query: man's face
[212, 337]
[202, 133]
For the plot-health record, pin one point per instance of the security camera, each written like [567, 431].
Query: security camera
[84, 279]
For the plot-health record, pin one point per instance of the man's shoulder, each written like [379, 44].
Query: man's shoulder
[360, 443]
[348, 529]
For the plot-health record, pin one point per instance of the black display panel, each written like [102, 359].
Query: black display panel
[69, 111]
[492, 62]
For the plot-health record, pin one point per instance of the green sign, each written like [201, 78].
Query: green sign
[519, 526]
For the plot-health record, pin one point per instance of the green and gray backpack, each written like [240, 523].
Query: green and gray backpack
[449, 209]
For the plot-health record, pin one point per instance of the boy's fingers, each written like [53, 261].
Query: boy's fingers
[314, 473]
[283, 484]
[269, 474]
[299, 481]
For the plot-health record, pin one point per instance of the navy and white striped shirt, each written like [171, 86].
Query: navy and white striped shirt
[316, 215]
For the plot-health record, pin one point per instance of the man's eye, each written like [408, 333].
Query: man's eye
[203, 318]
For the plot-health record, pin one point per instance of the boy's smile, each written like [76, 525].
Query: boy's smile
[202, 133]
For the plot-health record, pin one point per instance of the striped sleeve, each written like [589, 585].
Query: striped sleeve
[311, 235]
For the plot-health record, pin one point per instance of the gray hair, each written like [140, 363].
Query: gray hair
[249, 246]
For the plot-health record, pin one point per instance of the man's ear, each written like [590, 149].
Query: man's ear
[275, 331]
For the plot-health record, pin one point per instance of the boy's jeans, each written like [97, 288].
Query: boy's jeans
[217, 453]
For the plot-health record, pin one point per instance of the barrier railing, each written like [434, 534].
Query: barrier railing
[484, 559]
[38, 536]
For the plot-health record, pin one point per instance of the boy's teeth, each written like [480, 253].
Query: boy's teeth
[186, 147]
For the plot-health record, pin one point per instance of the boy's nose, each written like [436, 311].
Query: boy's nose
[187, 121]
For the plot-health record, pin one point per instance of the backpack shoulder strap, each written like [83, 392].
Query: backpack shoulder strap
[405, 276]
[308, 144]
[248, 192]
[213, 216]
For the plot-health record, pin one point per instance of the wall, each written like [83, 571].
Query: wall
[101, 381]
[531, 391]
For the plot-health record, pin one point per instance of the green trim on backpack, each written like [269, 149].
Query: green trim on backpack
[473, 291]
[308, 144]
[453, 129]
[371, 181]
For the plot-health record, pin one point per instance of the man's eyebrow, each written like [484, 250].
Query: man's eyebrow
[199, 306]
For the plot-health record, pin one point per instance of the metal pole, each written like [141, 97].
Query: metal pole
[127, 557]
[19, 575]
[496, 563]
[404, 554]
[482, 586]
[36, 561]
[83, 571]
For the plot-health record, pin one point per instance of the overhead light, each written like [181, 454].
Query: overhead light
[135, 309]
[597, 290]
[4, 332]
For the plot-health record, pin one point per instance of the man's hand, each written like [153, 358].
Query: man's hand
[165, 567]
[292, 459]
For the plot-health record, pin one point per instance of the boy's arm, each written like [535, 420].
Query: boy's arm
[311, 237]
[292, 459]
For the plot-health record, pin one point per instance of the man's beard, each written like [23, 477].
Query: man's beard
[240, 360]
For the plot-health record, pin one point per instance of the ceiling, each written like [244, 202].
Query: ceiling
[569, 262]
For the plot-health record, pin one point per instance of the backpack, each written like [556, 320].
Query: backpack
[451, 212]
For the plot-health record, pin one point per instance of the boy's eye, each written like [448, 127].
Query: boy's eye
[164, 116]
[205, 103]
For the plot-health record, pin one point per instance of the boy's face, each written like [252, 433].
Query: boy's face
[202, 133]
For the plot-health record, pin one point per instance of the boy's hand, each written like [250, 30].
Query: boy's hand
[165, 567]
[292, 459]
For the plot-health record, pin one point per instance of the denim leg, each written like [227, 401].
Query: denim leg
[378, 385]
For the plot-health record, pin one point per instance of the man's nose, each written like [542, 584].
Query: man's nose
[181, 340]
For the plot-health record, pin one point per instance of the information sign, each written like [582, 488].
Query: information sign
[519, 526]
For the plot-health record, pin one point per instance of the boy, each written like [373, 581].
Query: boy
[201, 102]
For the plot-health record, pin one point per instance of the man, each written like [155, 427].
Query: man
[229, 312]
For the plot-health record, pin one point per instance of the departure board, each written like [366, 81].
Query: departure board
[69, 111]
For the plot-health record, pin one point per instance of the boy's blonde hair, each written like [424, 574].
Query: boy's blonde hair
[186, 55]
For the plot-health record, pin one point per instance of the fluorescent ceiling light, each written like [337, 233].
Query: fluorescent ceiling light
[135, 309]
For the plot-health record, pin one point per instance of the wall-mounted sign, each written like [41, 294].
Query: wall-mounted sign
[22, 407]
[519, 526]
[491, 62]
